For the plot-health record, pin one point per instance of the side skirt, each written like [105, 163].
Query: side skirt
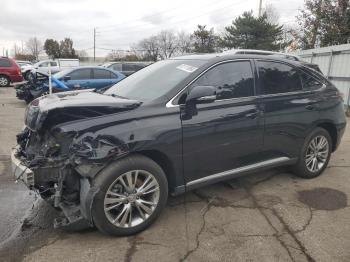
[237, 172]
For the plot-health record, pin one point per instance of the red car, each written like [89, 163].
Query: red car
[10, 72]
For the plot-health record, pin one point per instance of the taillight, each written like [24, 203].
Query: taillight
[19, 71]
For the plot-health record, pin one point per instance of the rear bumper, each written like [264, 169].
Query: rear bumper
[16, 78]
[20, 171]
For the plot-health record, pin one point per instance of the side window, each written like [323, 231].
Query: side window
[44, 64]
[117, 67]
[53, 64]
[231, 80]
[309, 82]
[102, 74]
[80, 74]
[129, 67]
[278, 78]
[5, 63]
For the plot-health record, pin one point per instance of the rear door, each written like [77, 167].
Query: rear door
[227, 133]
[102, 78]
[79, 79]
[6, 67]
[289, 110]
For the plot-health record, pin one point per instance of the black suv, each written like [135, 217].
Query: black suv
[110, 159]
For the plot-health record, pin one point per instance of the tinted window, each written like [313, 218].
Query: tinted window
[231, 80]
[116, 67]
[278, 78]
[53, 64]
[80, 74]
[102, 74]
[309, 82]
[5, 62]
[131, 67]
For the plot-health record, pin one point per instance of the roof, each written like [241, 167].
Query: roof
[239, 52]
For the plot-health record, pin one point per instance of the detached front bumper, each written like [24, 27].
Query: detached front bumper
[20, 171]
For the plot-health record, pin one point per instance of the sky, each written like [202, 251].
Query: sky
[120, 24]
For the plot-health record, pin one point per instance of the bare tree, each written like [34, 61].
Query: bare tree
[34, 47]
[272, 14]
[167, 42]
[150, 46]
[184, 43]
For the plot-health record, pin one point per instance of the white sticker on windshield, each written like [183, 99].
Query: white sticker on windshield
[187, 68]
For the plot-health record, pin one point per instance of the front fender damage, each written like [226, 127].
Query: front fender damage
[63, 174]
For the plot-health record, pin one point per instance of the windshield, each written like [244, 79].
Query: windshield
[155, 80]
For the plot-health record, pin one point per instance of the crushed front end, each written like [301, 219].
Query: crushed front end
[59, 164]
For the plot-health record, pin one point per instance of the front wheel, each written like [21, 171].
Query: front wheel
[315, 154]
[132, 193]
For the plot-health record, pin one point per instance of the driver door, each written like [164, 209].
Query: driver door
[227, 133]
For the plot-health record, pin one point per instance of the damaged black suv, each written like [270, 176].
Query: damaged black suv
[109, 159]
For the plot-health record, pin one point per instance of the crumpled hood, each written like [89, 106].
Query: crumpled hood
[74, 105]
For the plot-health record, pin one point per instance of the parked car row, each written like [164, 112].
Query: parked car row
[110, 158]
[10, 72]
[67, 80]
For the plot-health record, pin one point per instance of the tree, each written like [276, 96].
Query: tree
[184, 43]
[204, 40]
[52, 48]
[272, 14]
[249, 32]
[167, 43]
[324, 23]
[34, 47]
[66, 49]
[150, 46]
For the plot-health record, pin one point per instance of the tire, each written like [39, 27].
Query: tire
[109, 182]
[4, 81]
[311, 170]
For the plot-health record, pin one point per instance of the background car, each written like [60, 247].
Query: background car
[10, 72]
[126, 68]
[43, 66]
[88, 77]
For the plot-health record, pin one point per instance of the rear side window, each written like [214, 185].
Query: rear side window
[130, 67]
[309, 82]
[53, 64]
[231, 80]
[116, 67]
[81, 74]
[278, 78]
[5, 62]
[102, 74]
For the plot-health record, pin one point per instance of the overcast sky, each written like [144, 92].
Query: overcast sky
[119, 24]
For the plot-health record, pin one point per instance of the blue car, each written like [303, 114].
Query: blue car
[88, 77]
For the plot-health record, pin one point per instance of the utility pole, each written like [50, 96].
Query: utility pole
[260, 7]
[94, 44]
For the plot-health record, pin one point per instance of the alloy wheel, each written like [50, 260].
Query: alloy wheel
[3, 81]
[131, 198]
[317, 153]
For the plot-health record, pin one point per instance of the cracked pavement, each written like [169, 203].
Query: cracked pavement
[267, 216]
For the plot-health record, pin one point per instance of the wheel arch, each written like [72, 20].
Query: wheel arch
[332, 130]
[164, 162]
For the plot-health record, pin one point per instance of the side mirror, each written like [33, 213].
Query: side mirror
[66, 78]
[201, 95]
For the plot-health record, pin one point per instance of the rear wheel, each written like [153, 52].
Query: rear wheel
[315, 154]
[4, 81]
[133, 191]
